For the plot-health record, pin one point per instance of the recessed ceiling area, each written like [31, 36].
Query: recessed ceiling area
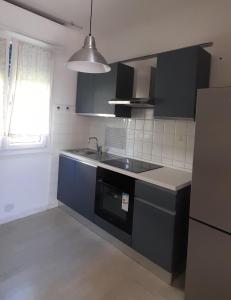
[109, 16]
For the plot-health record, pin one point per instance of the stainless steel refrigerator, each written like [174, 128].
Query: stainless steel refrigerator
[208, 275]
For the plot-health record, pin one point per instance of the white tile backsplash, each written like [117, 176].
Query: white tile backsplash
[130, 147]
[148, 125]
[167, 162]
[168, 152]
[158, 138]
[189, 156]
[188, 166]
[156, 159]
[131, 123]
[181, 127]
[147, 157]
[178, 164]
[139, 135]
[157, 150]
[180, 140]
[159, 126]
[147, 137]
[139, 124]
[168, 139]
[130, 134]
[138, 147]
[191, 128]
[115, 137]
[179, 154]
[169, 142]
[190, 141]
[147, 148]
[170, 126]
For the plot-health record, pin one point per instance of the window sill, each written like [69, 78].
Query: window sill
[14, 150]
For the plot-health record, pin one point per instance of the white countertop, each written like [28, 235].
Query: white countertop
[169, 178]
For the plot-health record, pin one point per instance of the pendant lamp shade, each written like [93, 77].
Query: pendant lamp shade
[88, 59]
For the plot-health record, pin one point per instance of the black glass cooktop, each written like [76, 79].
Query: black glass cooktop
[131, 165]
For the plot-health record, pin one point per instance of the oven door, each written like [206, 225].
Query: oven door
[114, 205]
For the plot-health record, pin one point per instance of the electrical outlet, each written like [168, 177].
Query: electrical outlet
[8, 207]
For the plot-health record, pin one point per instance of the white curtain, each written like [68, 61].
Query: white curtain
[30, 90]
[3, 44]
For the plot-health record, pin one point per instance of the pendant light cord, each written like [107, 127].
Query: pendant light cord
[91, 16]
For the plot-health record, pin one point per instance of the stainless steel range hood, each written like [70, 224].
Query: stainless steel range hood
[144, 84]
[134, 102]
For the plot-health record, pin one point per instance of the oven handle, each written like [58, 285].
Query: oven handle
[111, 186]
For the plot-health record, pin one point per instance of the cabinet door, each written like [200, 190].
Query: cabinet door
[176, 83]
[76, 186]
[66, 182]
[152, 85]
[85, 93]
[124, 81]
[85, 181]
[179, 74]
[153, 233]
[95, 90]
[105, 90]
[209, 263]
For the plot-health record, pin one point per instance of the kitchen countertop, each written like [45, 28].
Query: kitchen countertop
[169, 178]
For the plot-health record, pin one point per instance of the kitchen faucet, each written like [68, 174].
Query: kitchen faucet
[98, 147]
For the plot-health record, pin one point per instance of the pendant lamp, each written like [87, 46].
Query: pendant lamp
[88, 59]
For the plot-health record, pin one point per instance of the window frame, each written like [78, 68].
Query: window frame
[7, 145]
[21, 148]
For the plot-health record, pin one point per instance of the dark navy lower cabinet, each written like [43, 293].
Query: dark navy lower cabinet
[153, 231]
[160, 216]
[160, 225]
[76, 186]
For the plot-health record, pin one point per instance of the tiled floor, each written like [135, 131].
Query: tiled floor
[50, 256]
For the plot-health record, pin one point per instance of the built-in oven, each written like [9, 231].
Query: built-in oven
[115, 198]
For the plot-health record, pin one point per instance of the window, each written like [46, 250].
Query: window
[25, 90]
[2, 83]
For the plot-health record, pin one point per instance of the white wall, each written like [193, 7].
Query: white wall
[24, 185]
[28, 182]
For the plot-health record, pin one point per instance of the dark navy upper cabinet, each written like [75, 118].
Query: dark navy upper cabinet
[179, 74]
[76, 186]
[95, 90]
[85, 93]
[160, 225]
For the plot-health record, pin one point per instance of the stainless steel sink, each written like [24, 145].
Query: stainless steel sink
[93, 154]
[83, 151]
[90, 152]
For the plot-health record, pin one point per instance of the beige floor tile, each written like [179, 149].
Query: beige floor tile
[51, 256]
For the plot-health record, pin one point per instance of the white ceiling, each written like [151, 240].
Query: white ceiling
[109, 16]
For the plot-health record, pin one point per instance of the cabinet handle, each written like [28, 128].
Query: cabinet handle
[170, 212]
